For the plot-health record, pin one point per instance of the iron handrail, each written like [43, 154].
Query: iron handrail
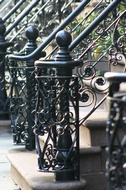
[95, 23]
[52, 35]
[21, 17]
[31, 19]
[5, 6]
[74, 29]
[13, 10]
[85, 33]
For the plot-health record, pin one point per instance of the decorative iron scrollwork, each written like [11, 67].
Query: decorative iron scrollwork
[57, 113]
[116, 133]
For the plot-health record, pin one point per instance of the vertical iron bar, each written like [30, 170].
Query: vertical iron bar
[31, 34]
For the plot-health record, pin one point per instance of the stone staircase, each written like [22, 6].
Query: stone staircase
[93, 157]
[24, 168]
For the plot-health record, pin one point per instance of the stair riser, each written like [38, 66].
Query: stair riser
[5, 127]
[95, 181]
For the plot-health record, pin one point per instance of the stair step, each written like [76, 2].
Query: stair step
[93, 130]
[92, 167]
[97, 181]
[24, 173]
[90, 160]
[24, 170]
[5, 126]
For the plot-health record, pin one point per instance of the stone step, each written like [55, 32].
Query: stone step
[93, 130]
[92, 167]
[97, 181]
[91, 158]
[24, 172]
[5, 126]
[92, 154]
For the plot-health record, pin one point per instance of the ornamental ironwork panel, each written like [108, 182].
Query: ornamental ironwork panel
[17, 98]
[116, 133]
[57, 123]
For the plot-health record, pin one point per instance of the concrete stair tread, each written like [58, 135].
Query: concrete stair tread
[93, 130]
[90, 150]
[97, 114]
[24, 173]
[97, 119]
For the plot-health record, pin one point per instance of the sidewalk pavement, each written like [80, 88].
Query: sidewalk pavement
[6, 143]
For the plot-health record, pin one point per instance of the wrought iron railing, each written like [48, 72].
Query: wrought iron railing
[19, 36]
[4, 44]
[18, 126]
[57, 113]
[116, 133]
[101, 43]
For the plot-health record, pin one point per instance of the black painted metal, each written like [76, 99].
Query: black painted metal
[50, 77]
[116, 132]
[31, 34]
[3, 95]
[44, 4]
[23, 14]
[13, 10]
[52, 35]
[57, 116]
[22, 94]
[20, 123]
[95, 23]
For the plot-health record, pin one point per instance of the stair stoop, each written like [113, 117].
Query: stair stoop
[24, 172]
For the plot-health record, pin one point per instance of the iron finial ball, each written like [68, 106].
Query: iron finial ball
[63, 38]
[32, 33]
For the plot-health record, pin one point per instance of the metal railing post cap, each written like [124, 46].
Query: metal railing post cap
[32, 33]
[63, 58]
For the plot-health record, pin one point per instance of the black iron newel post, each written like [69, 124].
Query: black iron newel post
[116, 132]
[31, 34]
[3, 95]
[64, 138]
[57, 115]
